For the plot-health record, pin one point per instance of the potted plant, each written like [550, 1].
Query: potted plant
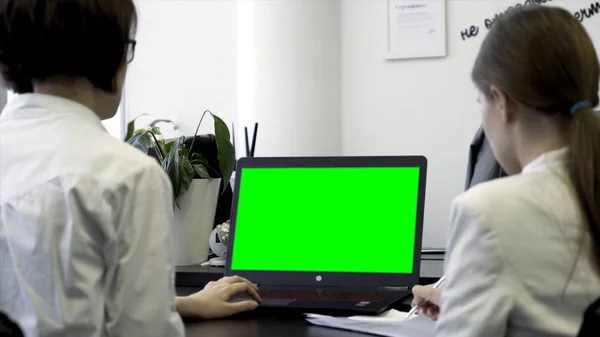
[195, 192]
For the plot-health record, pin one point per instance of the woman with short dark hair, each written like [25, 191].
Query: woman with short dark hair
[85, 242]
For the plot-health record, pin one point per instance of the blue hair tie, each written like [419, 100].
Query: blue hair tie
[581, 105]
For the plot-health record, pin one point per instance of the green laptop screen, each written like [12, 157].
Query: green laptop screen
[355, 220]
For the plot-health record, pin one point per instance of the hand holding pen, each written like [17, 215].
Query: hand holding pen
[426, 299]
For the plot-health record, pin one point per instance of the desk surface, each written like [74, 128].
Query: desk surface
[261, 325]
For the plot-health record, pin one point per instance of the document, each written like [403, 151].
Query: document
[416, 28]
[391, 324]
[390, 315]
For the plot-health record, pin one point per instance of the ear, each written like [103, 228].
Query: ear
[504, 105]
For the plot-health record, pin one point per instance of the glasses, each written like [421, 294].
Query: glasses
[130, 50]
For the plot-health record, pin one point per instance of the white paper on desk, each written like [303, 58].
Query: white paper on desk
[390, 315]
[419, 326]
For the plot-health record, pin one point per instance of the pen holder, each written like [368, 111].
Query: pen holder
[219, 239]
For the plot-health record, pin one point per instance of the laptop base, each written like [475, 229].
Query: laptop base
[374, 302]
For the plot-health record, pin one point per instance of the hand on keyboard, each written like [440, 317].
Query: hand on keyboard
[214, 300]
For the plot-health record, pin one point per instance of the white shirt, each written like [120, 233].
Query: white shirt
[512, 245]
[85, 243]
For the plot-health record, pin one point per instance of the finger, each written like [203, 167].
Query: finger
[431, 294]
[433, 314]
[431, 311]
[241, 279]
[419, 302]
[254, 294]
[237, 279]
[422, 292]
[240, 288]
[427, 305]
[239, 307]
[424, 312]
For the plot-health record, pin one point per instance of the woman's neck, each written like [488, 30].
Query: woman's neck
[80, 91]
[543, 136]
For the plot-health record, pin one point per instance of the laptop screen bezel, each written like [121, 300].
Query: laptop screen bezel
[332, 279]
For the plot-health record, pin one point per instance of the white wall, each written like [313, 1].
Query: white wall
[185, 63]
[422, 106]
[289, 75]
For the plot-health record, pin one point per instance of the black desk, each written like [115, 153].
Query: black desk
[263, 327]
[192, 278]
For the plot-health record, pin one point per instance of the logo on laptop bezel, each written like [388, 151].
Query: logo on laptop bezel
[319, 278]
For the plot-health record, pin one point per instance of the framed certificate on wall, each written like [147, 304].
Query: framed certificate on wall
[416, 29]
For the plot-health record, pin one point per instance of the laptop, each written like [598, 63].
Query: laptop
[334, 235]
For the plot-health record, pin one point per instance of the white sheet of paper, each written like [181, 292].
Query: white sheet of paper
[419, 326]
[416, 28]
[390, 315]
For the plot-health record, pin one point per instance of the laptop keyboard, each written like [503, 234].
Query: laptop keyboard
[323, 295]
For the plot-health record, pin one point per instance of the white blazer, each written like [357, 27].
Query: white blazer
[513, 244]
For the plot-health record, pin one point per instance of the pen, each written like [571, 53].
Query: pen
[412, 311]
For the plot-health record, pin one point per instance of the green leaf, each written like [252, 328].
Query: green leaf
[155, 130]
[131, 127]
[186, 174]
[171, 166]
[201, 171]
[163, 147]
[180, 166]
[142, 141]
[169, 145]
[205, 164]
[225, 151]
[199, 156]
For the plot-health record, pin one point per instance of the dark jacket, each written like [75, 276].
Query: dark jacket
[591, 321]
[8, 328]
[482, 165]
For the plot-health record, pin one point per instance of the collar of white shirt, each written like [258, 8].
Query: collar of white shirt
[33, 106]
[548, 159]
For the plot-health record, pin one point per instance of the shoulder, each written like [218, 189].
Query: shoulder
[519, 207]
[110, 167]
[522, 192]
[111, 159]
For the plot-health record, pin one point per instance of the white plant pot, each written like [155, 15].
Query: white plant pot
[194, 222]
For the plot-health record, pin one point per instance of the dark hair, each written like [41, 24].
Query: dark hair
[40, 39]
[543, 58]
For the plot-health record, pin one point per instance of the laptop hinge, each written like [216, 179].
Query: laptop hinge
[390, 288]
